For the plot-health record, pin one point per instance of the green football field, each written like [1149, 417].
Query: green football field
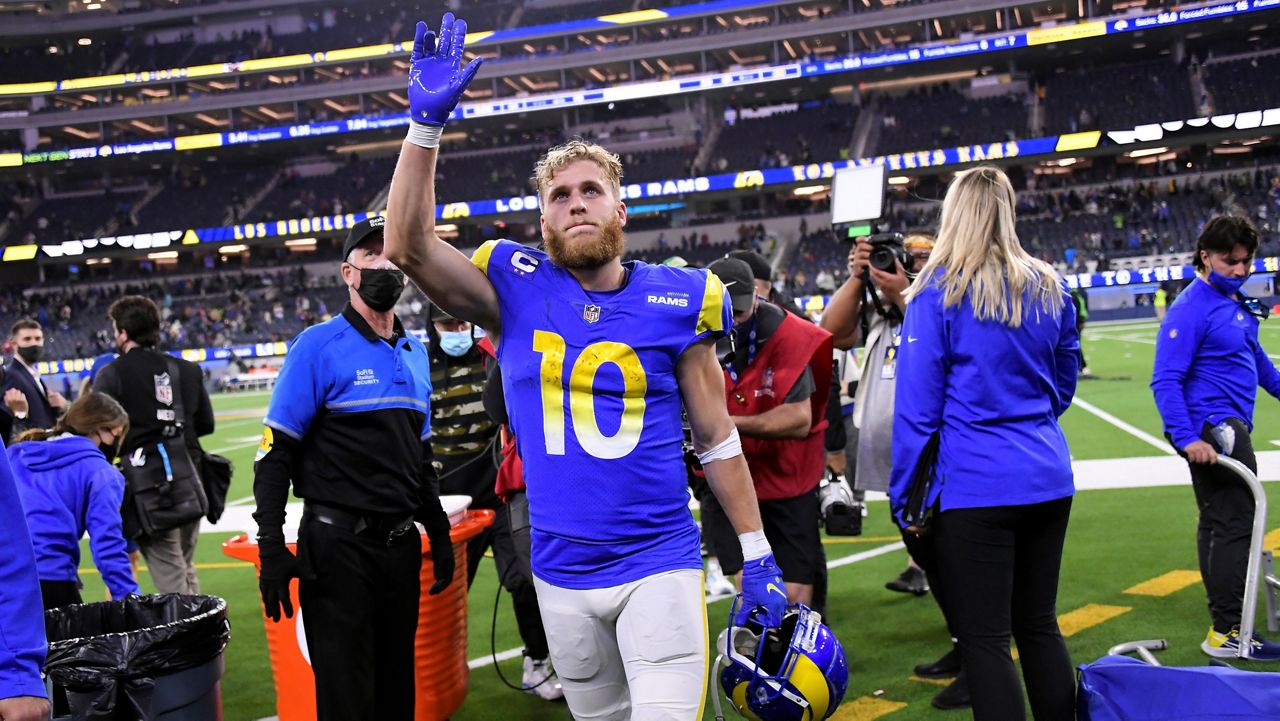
[1117, 540]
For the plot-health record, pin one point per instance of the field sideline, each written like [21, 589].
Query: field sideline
[1128, 572]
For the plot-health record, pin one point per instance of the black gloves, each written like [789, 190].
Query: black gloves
[436, 521]
[279, 566]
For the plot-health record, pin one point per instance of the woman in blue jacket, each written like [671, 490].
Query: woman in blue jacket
[989, 360]
[67, 487]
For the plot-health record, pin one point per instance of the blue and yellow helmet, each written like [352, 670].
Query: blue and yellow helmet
[796, 672]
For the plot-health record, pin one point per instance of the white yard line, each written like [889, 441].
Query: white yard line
[1131, 430]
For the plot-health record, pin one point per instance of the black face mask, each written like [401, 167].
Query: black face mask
[380, 288]
[30, 354]
[111, 450]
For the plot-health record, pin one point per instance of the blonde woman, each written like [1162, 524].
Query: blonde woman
[988, 362]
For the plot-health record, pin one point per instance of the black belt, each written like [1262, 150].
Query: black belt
[380, 526]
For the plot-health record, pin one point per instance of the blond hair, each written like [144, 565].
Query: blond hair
[979, 252]
[561, 156]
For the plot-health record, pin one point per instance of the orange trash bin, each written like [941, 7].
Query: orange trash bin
[440, 647]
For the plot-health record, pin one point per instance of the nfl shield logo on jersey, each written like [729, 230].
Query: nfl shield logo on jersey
[591, 313]
[164, 389]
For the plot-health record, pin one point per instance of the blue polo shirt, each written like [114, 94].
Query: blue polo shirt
[360, 406]
[1209, 363]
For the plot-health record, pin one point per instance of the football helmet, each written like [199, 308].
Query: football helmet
[796, 672]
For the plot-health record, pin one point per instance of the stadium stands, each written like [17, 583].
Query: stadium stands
[952, 118]
[1116, 96]
[1244, 84]
[810, 131]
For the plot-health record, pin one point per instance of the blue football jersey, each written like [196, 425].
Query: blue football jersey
[591, 391]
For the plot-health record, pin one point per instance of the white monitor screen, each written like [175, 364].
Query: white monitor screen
[857, 194]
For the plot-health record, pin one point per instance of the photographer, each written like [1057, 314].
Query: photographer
[776, 381]
[868, 310]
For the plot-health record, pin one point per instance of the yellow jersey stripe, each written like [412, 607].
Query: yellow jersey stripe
[710, 319]
[480, 258]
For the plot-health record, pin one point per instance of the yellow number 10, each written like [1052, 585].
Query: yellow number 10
[581, 399]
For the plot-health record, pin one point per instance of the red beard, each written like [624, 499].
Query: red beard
[586, 254]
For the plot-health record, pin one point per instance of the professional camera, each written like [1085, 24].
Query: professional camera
[840, 514]
[886, 248]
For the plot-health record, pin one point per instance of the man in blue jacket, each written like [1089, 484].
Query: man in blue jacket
[22, 644]
[1208, 366]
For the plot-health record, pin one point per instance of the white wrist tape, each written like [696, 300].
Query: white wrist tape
[728, 448]
[424, 136]
[754, 545]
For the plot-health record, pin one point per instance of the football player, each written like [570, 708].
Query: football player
[597, 357]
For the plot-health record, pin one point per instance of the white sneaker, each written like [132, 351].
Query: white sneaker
[716, 584]
[541, 680]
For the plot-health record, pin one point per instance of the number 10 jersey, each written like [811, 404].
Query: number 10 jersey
[590, 385]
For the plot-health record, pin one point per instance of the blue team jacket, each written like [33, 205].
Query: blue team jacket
[22, 644]
[1209, 363]
[67, 488]
[995, 393]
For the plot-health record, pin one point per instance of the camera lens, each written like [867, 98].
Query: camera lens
[882, 259]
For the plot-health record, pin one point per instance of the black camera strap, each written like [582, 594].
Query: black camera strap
[890, 313]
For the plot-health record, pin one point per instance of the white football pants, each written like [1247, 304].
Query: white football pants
[636, 651]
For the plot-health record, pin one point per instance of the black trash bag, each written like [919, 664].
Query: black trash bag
[108, 655]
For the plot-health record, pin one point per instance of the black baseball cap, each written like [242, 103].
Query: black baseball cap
[760, 268]
[360, 232]
[737, 278]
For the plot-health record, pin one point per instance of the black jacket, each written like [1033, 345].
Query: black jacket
[141, 382]
[40, 413]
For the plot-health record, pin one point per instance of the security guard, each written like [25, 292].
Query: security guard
[349, 424]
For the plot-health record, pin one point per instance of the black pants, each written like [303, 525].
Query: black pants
[359, 599]
[925, 554]
[57, 594]
[513, 577]
[791, 527]
[1225, 528]
[998, 568]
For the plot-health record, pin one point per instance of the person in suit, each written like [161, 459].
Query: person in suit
[28, 403]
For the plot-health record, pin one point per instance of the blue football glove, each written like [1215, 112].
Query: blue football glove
[436, 78]
[763, 593]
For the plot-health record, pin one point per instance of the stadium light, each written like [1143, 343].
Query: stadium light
[1146, 151]
[163, 255]
[899, 180]
[809, 190]
[227, 249]
[84, 41]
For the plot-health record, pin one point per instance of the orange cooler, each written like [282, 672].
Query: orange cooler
[440, 646]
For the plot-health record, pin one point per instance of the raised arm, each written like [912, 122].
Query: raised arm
[436, 83]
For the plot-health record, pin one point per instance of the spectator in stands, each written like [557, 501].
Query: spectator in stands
[27, 400]
[777, 382]
[999, 521]
[68, 488]
[152, 386]
[1208, 366]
